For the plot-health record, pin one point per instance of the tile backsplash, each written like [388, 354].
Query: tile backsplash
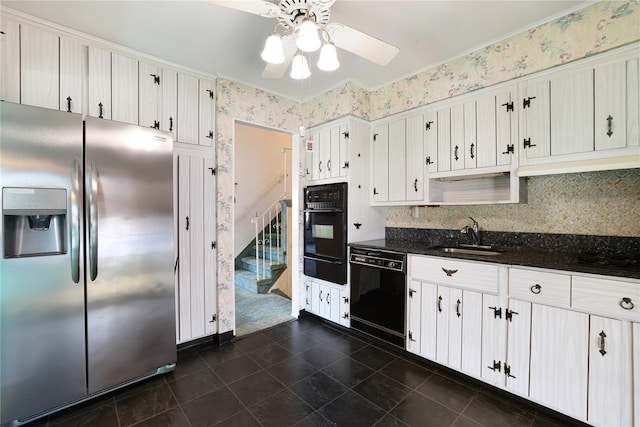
[603, 203]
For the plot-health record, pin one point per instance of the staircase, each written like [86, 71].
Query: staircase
[259, 274]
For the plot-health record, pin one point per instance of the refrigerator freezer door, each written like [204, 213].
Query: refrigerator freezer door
[42, 323]
[130, 284]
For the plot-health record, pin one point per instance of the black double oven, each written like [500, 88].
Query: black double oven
[325, 232]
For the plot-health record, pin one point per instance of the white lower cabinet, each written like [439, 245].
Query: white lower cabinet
[559, 359]
[328, 301]
[636, 373]
[196, 308]
[610, 372]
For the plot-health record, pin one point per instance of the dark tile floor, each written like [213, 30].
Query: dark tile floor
[305, 373]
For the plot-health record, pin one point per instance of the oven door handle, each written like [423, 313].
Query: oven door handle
[335, 210]
[330, 261]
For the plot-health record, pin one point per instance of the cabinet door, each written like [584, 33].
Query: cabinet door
[150, 86]
[428, 322]
[471, 145]
[333, 304]
[636, 374]
[457, 137]
[333, 163]
[206, 112]
[431, 141]
[516, 369]
[397, 160]
[536, 120]
[99, 83]
[209, 246]
[414, 304]
[380, 163]
[344, 308]
[307, 296]
[314, 165]
[559, 359]
[72, 60]
[324, 145]
[610, 372]
[471, 310]
[633, 104]
[39, 67]
[610, 83]
[415, 158]
[572, 113]
[344, 149]
[455, 309]
[9, 60]
[444, 140]
[169, 109]
[187, 109]
[506, 126]
[316, 298]
[494, 342]
[443, 310]
[124, 89]
[486, 128]
[183, 294]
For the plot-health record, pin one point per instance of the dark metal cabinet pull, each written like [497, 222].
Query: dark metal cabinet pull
[609, 126]
[601, 343]
[439, 303]
[100, 111]
[472, 155]
[346, 165]
[455, 153]
[527, 102]
[415, 185]
[411, 292]
[428, 161]
[210, 135]
[170, 124]
[213, 318]
[411, 337]
[329, 165]
[345, 315]
[320, 166]
[357, 225]
[320, 295]
[427, 126]
[458, 302]
[68, 104]
[507, 371]
[187, 223]
[496, 366]
[527, 143]
[536, 289]
[449, 272]
[156, 78]
[627, 304]
[510, 149]
[375, 191]
[497, 312]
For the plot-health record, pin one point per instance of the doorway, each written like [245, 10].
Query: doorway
[263, 223]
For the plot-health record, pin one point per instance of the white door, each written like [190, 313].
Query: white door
[486, 128]
[431, 141]
[344, 149]
[72, 60]
[169, 107]
[415, 166]
[494, 339]
[414, 304]
[444, 140]
[187, 109]
[39, 67]
[610, 368]
[471, 309]
[518, 346]
[397, 160]
[380, 164]
[572, 113]
[124, 89]
[506, 126]
[536, 120]
[559, 359]
[443, 310]
[333, 164]
[610, 92]
[324, 145]
[455, 308]
[428, 322]
[9, 60]
[150, 80]
[206, 112]
[99, 83]
[457, 137]
[471, 143]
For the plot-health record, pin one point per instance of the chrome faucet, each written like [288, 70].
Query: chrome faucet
[474, 231]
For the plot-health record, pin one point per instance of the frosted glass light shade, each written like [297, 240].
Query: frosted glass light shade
[328, 58]
[308, 40]
[273, 53]
[300, 67]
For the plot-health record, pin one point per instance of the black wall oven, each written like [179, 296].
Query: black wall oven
[378, 284]
[325, 232]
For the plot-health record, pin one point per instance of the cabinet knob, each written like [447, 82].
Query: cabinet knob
[627, 304]
[536, 289]
[449, 272]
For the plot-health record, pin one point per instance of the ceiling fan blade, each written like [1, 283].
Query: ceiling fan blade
[276, 71]
[354, 41]
[257, 7]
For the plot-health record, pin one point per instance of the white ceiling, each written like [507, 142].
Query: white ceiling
[225, 42]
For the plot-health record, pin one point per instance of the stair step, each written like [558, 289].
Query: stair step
[249, 263]
[270, 253]
[247, 280]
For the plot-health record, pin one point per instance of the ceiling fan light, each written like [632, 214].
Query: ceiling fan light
[308, 40]
[300, 67]
[273, 52]
[328, 58]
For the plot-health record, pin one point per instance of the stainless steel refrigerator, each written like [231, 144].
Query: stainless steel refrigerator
[87, 299]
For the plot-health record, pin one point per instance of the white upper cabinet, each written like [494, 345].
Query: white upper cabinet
[39, 67]
[169, 113]
[415, 163]
[9, 60]
[397, 160]
[431, 140]
[187, 109]
[150, 81]
[99, 83]
[124, 89]
[206, 112]
[72, 60]
[328, 158]
[380, 163]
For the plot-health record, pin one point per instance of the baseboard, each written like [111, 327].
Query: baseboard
[215, 338]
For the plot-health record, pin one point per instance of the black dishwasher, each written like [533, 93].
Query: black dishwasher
[378, 289]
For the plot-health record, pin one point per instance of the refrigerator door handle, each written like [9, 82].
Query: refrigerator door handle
[75, 222]
[93, 222]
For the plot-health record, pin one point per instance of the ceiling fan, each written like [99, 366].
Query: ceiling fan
[302, 18]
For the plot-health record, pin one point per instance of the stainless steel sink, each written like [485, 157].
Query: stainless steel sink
[470, 250]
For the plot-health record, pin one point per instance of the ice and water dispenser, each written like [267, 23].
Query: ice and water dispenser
[35, 221]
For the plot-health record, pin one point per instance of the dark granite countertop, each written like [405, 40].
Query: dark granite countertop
[513, 255]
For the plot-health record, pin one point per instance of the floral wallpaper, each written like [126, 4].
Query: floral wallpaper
[592, 30]
[556, 203]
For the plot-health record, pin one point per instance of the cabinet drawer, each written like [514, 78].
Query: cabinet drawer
[607, 297]
[540, 287]
[461, 274]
